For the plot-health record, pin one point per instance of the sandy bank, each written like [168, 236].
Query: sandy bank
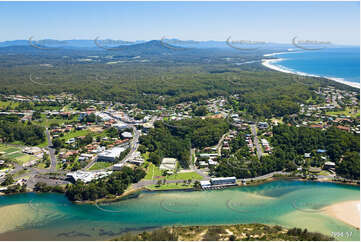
[348, 212]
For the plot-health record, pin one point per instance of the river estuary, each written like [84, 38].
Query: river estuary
[288, 203]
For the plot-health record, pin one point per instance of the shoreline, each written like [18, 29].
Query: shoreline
[270, 63]
[347, 212]
[133, 191]
[254, 183]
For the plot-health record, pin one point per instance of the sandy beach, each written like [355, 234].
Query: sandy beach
[348, 212]
[270, 63]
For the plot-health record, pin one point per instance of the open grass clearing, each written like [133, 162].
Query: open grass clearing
[14, 155]
[153, 172]
[25, 158]
[185, 176]
[100, 165]
[169, 186]
[347, 112]
[11, 150]
[74, 134]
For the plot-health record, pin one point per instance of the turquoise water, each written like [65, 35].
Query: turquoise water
[287, 203]
[328, 62]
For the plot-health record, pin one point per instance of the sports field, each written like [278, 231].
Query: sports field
[14, 153]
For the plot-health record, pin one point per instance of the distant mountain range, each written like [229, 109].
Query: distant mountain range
[156, 49]
[108, 43]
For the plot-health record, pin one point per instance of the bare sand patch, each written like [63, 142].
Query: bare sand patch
[348, 212]
[16, 215]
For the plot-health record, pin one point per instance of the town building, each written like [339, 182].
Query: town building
[117, 167]
[168, 164]
[224, 181]
[86, 176]
[111, 154]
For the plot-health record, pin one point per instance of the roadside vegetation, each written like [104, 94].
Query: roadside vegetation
[11, 129]
[238, 232]
[175, 139]
[290, 145]
[113, 185]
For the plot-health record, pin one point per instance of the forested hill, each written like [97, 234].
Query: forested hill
[151, 74]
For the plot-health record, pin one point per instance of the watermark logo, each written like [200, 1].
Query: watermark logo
[38, 79]
[307, 206]
[232, 79]
[175, 44]
[46, 44]
[109, 44]
[310, 44]
[244, 45]
[106, 78]
[38, 206]
[178, 206]
[240, 206]
[106, 207]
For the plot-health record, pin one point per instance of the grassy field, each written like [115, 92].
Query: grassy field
[44, 144]
[323, 173]
[12, 105]
[347, 112]
[21, 158]
[59, 166]
[185, 176]
[169, 186]
[9, 150]
[45, 122]
[14, 153]
[25, 158]
[146, 156]
[100, 165]
[41, 165]
[74, 134]
[154, 173]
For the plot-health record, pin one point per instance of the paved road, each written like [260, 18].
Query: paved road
[255, 141]
[269, 175]
[133, 145]
[144, 183]
[89, 164]
[51, 152]
[219, 145]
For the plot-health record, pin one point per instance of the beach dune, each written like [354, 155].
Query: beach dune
[348, 212]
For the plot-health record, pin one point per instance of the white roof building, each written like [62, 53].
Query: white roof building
[118, 167]
[120, 125]
[205, 184]
[127, 135]
[87, 176]
[111, 154]
[168, 164]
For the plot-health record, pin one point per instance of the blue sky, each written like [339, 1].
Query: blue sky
[338, 22]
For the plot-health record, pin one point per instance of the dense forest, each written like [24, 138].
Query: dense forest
[113, 185]
[341, 147]
[153, 75]
[27, 132]
[176, 138]
[289, 146]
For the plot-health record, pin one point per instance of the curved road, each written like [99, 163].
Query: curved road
[51, 152]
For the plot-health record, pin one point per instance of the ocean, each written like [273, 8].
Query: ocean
[335, 63]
